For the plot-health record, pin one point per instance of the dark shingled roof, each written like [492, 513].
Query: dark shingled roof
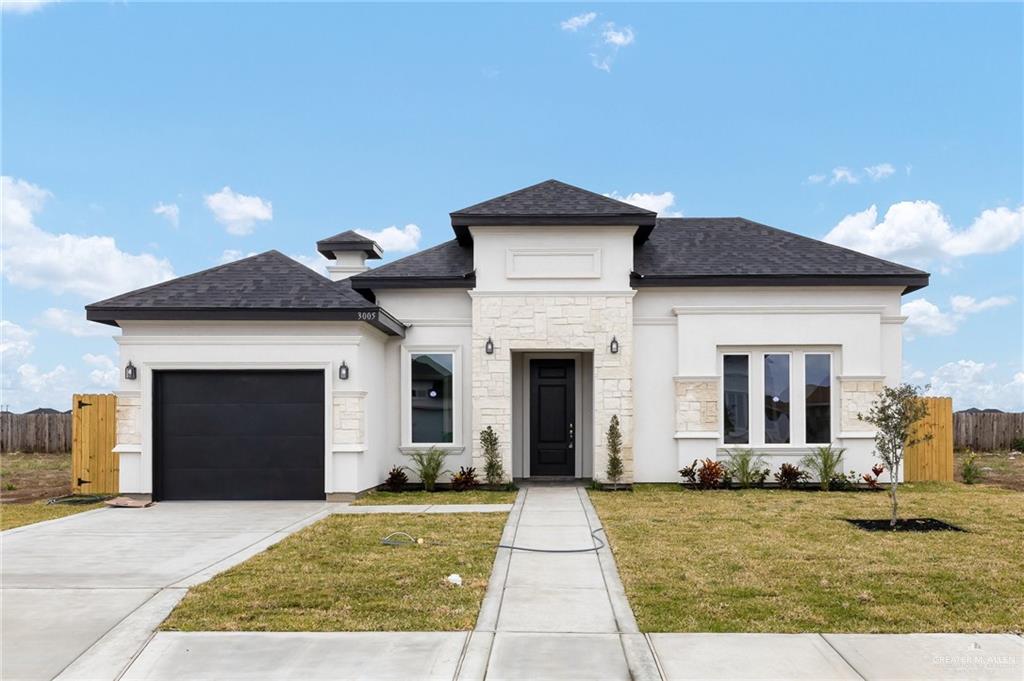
[349, 241]
[266, 286]
[736, 251]
[551, 203]
[446, 265]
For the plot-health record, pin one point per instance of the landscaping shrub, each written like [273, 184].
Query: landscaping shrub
[824, 463]
[613, 471]
[396, 480]
[1018, 444]
[465, 479]
[843, 483]
[790, 476]
[494, 469]
[746, 468]
[689, 473]
[872, 478]
[970, 471]
[711, 474]
[428, 465]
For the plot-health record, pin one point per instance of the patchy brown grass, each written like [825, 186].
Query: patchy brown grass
[997, 469]
[419, 497]
[27, 476]
[786, 561]
[337, 576]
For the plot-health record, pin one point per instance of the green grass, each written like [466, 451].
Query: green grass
[16, 515]
[780, 561]
[420, 497]
[337, 576]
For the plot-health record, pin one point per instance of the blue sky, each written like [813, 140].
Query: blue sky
[257, 126]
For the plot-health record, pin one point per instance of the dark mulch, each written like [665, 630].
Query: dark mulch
[904, 525]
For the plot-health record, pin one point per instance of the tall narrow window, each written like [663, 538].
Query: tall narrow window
[776, 399]
[736, 371]
[818, 398]
[431, 401]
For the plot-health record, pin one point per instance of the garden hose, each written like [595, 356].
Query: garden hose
[400, 538]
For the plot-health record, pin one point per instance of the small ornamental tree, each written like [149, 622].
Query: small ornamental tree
[893, 415]
[494, 470]
[613, 471]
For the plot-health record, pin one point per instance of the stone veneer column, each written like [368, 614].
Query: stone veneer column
[571, 323]
[347, 420]
[129, 416]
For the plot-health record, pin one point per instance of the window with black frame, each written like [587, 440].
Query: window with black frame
[776, 399]
[736, 398]
[432, 398]
[818, 398]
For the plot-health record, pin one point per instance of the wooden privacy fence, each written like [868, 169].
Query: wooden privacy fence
[35, 432]
[93, 463]
[933, 459]
[987, 432]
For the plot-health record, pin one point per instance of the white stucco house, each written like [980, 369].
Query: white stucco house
[551, 310]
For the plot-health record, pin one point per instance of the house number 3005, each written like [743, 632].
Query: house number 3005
[365, 316]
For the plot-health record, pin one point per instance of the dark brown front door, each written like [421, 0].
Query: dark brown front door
[552, 411]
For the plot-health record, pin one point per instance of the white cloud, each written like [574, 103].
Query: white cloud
[918, 232]
[91, 266]
[618, 37]
[843, 175]
[394, 239]
[239, 213]
[169, 211]
[22, 384]
[24, 6]
[15, 343]
[231, 255]
[968, 305]
[105, 373]
[579, 21]
[659, 203]
[72, 323]
[880, 171]
[816, 179]
[924, 318]
[53, 387]
[970, 384]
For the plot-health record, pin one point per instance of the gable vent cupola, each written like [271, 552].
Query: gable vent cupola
[349, 251]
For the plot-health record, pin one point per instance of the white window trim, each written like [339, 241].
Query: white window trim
[797, 389]
[406, 374]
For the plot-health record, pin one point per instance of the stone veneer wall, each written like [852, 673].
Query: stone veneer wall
[696, 405]
[856, 396]
[577, 322]
[129, 416]
[347, 420]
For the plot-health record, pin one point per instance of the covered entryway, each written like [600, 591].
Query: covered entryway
[238, 435]
[552, 414]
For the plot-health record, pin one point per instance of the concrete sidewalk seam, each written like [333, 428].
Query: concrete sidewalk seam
[841, 656]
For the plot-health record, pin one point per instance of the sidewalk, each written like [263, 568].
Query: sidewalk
[560, 616]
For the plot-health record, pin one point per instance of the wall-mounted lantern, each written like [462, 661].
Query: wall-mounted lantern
[343, 371]
[130, 372]
[614, 347]
[489, 346]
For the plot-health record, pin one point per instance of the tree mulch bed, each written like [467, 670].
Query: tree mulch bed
[904, 525]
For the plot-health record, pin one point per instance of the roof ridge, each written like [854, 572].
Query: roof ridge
[468, 210]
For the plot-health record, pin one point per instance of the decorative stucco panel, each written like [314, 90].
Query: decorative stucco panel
[856, 397]
[696, 405]
[554, 322]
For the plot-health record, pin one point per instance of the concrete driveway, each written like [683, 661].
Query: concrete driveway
[115, 573]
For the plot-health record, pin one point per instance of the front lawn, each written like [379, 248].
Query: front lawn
[786, 561]
[997, 469]
[16, 515]
[27, 476]
[337, 576]
[420, 497]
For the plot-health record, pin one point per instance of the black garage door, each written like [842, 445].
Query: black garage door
[238, 435]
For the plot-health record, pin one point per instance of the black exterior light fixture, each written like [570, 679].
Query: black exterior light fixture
[130, 372]
[489, 346]
[614, 347]
[343, 371]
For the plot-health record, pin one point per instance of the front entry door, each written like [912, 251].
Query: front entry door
[552, 412]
